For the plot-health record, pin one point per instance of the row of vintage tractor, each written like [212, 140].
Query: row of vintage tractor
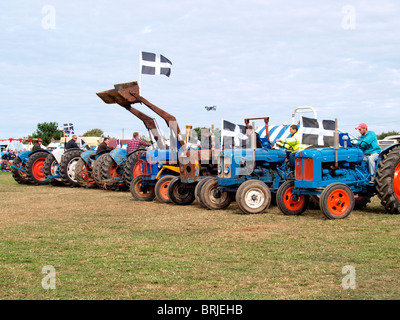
[336, 179]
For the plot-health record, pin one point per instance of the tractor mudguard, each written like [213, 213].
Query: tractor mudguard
[24, 155]
[86, 154]
[119, 156]
[57, 154]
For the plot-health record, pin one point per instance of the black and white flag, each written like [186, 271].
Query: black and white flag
[69, 128]
[232, 134]
[155, 64]
[316, 132]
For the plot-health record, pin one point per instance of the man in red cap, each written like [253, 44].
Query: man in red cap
[368, 143]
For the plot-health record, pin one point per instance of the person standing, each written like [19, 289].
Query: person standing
[136, 143]
[368, 143]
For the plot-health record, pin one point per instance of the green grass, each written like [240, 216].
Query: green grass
[105, 245]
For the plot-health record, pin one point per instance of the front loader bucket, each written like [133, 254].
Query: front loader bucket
[114, 95]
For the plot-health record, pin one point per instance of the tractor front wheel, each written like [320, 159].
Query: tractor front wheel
[197, 191]
[179, 193]
[140, 191]
[253, 196]
[161, 188]
[337, 201]
[212, 198]
[288, 202]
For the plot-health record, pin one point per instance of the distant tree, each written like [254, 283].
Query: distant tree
[47, 131]
[385, 134]
[93, 133]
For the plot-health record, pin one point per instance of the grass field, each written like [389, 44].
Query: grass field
[105, 245]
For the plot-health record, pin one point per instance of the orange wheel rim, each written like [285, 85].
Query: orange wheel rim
[164, 190]
[113, 171]
[137, 169]
[396, 181]
[338, 202]
[140, 192]
[293, 202]
[37, 169]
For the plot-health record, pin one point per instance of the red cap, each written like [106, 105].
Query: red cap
[362, 126]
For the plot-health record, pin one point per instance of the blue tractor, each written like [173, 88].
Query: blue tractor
[340, 178]
[251, 175]
[27, 167]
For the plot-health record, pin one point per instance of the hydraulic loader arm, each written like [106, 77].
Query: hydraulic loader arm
[128, 93]
[112, 96]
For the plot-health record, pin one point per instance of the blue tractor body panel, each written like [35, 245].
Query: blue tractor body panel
[119, 156]
[235, 166]
[314, 170]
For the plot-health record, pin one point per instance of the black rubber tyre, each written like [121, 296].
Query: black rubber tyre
[67, 167]
[388, 181]
[83, 174]
[213, 199]
[49, 168]
[288, 203]
[130, 165]
[97, 170]
[180, 193]
[139, 193]
[337, 201]
[197, 191]
[19, 175]
[34, 168]
[113, 173]
[161, 188]
[253, 196]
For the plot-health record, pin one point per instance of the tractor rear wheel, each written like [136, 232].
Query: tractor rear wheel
[212, 198]
[180, 193]
[141, 192]
[67, 167]
[289, 203]
[197, 191]
[19, 175]
[49, 168]
[388, 181]
[337, 201]
[161, 188]
[83, 175]
[97, 170]
[253, 196]
[113, 173]
[130, 171]
[34, 168]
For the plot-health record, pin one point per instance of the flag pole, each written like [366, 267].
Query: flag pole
[140, 71]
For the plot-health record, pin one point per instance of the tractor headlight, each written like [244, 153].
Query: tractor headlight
[226, 170]
[219, 170]
[159, 166]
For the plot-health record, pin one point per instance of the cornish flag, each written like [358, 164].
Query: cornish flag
[155, 64]
[316, 132]
[68, 128]
[232, 134]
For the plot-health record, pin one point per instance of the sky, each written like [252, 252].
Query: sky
[250, 58]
